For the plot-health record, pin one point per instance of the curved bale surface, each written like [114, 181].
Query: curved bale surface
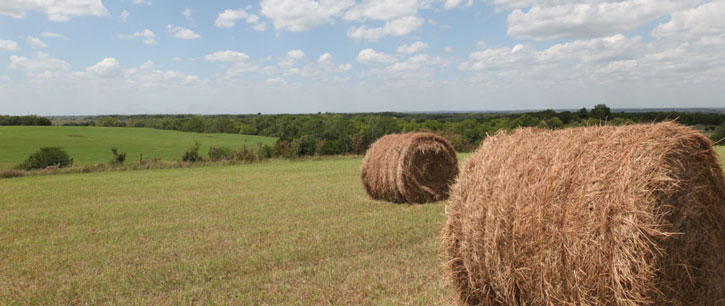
[631, 215]
[412, 168]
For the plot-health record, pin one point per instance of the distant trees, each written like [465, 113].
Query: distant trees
[719, 136]
[109, 121]
[32, 120]
[601, 112]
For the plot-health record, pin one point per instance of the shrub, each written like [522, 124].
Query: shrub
[192, 155]
[46, 157]
[719, 136]
[245, 154]
[118, 158]
[220, 153]
[10, 173]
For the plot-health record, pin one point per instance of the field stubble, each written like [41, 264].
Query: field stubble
[278, 233]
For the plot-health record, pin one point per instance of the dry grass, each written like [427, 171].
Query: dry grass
[274, 233]
[629, 215]
[412, 168]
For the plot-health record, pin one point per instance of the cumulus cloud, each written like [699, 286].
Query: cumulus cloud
[327, 62]
[147, 36]
[41, 65]
[397, 27]
[296, 54]
[413, 48]
[383, 9]
[227, 19]
[226, 56]
[8, 45]
[182, 33]
[582, 19]
[451, 4]
[302, 15]
[704, 20]
[237, 63]
[370, 57]
[36, 43]
[107, 68]
[123, 17]
[57, 10]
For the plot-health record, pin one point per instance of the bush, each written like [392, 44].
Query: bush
[118, 158]
[46, 157]
[245, 154]
[192, 155]
[221, 153]
[719, 136]
[9, 173]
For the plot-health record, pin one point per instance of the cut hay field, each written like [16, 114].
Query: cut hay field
[281, 232]
[89, 145]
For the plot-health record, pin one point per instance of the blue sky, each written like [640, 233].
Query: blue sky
[297, 56]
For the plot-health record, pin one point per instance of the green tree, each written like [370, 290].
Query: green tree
[106, 121]
[601, 112]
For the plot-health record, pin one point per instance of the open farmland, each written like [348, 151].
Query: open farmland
[89, 145]
[281, 232]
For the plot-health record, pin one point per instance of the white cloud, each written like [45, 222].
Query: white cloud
[187, 13]
[369, 56]
[41, 65]
[581, 19]
[123, 17]
[146, 2]
[52, 35]
[296, 54]
[107, 68]
[227, 19]
[182, 33]
[57, 10]
[413, 48]
[450, 4]
[302, 15]
[36, 43]
[383, 9]
[327, 62]
[705, 20]
[238, 63]
[397, 27]
[227, 56]
[447, 49]
[147, 36]
[8, 45]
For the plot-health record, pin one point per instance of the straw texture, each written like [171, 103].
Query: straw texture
[631, 215]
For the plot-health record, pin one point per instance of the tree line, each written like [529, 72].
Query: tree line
[24, 120]
[332, 133]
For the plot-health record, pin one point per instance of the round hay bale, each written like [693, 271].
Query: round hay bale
[412, 168]
[631, 215]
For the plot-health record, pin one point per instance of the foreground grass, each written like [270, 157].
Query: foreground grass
[273, 233]
[90, 145]
[721, 150]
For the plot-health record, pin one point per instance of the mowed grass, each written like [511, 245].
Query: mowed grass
[282, 232]
[90, 145]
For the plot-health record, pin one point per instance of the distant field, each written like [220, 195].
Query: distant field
[281, 232]
[89, 145]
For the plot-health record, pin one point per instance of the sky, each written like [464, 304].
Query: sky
[93, 57]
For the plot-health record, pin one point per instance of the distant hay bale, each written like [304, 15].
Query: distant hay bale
[631, 215]
[412, 168]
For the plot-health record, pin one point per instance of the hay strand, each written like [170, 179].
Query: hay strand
[409, 168]
[631, 215]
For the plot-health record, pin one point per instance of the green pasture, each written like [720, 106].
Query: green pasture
[89, 145]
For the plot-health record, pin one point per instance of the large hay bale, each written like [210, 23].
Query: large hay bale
[412, 168]
[631, 215]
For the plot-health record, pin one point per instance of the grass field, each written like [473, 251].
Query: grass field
[89, 145]
[281, 232]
